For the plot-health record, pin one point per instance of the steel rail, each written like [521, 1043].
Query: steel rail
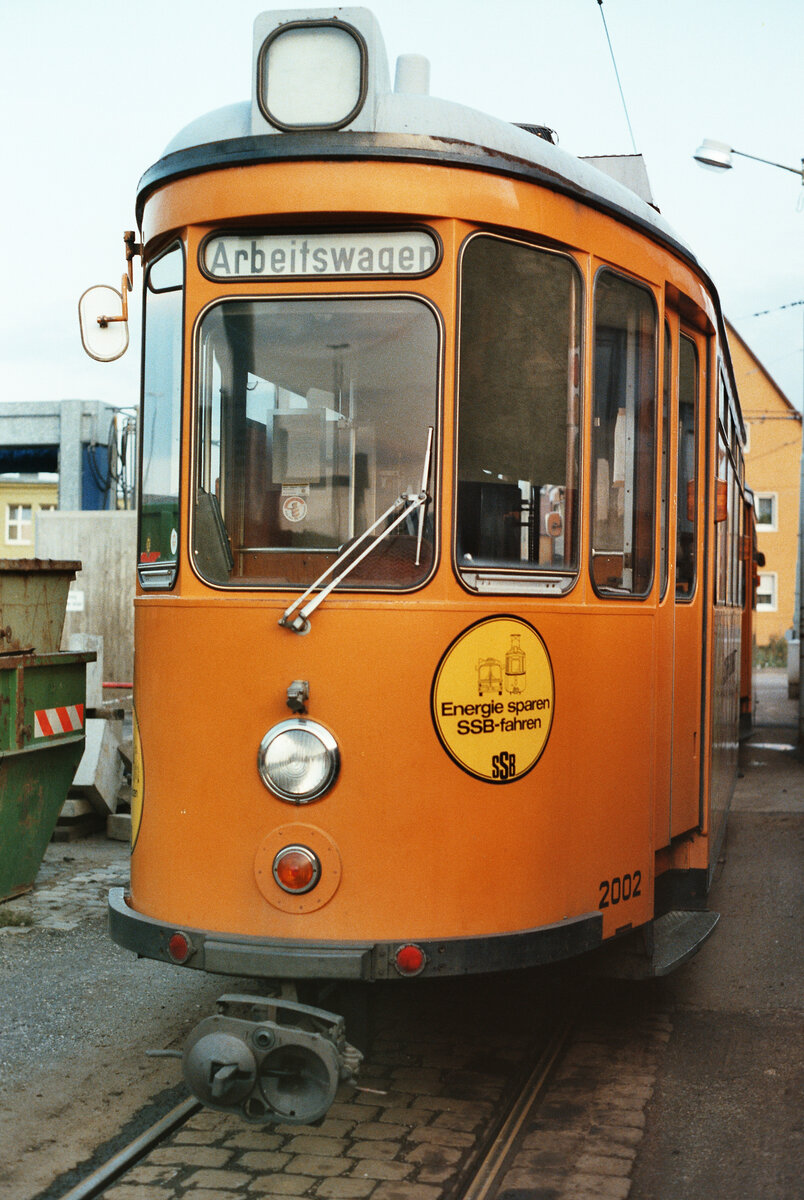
[119, 1163]
[487, 1174]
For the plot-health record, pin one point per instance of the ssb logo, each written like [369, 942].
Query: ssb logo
[503, 766]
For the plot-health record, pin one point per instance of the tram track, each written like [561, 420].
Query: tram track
[476, 1177]
[484, 1174]
[123, 1160]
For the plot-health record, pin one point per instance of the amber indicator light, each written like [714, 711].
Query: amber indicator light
[296, 869]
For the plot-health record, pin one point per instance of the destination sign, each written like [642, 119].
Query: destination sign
[327, 255]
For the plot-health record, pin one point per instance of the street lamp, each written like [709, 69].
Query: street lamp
[717, 156]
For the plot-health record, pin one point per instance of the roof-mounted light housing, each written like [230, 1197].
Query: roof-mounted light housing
[316, 71]
[312, 75]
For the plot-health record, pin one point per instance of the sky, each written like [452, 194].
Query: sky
[91, 92]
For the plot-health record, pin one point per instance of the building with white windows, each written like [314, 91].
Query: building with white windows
[22, 498]
[772, 470]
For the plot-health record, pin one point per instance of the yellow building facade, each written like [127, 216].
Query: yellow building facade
[21, 498]
[772, 471]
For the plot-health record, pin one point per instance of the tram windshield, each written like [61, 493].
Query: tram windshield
[519, 416]
[312, 420]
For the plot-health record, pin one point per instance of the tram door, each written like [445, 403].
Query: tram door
[688, 601]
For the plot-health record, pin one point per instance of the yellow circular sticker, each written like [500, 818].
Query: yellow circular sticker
[492, 699]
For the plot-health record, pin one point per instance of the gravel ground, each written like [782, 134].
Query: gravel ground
[79, 1016]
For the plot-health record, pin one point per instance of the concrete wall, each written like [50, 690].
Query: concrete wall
[102, 597]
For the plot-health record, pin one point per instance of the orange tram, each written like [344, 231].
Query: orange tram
[444, 557]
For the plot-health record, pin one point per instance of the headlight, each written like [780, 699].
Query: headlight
[298, 760]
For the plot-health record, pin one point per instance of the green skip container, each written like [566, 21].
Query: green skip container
[42, 714]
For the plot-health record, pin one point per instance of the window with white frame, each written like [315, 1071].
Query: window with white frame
[766, 592]
[766, 509]
[19, 524]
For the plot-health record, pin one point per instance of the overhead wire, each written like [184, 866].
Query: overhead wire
[766, 311]
[617, 76]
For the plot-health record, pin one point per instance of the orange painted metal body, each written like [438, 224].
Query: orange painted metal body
[625, 782]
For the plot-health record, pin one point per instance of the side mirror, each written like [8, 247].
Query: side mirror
[103, 320]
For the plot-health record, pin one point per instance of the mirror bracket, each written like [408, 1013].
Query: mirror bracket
[133, 250]
[125, 287]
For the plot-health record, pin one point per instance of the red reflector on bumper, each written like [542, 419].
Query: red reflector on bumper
[410, 960]
[179, 947]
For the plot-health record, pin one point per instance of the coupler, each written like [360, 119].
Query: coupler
[271, 1061]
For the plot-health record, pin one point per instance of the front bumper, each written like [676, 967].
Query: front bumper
[273, 958]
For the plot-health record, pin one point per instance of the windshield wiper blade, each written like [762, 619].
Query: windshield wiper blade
[428, 454]
[408, 502]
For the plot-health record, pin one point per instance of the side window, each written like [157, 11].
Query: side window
[687, 489]
[765, 505]
[623, 437]
[721, 524]
[19, 524]
[766, 592]
[161, 421]
[664, 517]
[518, 417]
[728, 505]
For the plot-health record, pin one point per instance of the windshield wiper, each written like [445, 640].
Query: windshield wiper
[403, 506]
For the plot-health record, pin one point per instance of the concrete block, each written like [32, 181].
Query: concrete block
[80, 642]
[74, 808]
[118, 827]
[100, 771]
[793, 668]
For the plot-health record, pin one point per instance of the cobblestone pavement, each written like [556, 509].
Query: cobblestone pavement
[72, 886]
[406, 1147]
[582, 1141]
[65, 904]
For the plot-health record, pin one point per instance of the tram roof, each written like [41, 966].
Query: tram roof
[416, 128]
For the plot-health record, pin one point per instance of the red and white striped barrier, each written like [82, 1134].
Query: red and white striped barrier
[48, 722]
